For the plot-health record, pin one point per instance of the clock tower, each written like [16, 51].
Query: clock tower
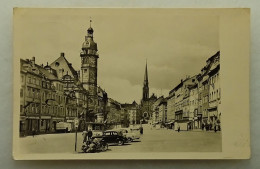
[89, 57]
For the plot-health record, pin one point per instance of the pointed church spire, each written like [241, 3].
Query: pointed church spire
[146, 75]
[146, 84]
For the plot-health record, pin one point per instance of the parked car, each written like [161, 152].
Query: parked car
[63, 127]
[112, 136]
[129, 134]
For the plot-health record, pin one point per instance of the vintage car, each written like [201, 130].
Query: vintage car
[113, 136]
[129, 134]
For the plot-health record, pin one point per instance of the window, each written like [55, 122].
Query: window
[29, 79]
[107, 133]
[115, 133]
[33, 93]
[21, 108]
[41, 122]
[28, 92]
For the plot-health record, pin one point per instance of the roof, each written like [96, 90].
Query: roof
[212, 57]
[67, 66]
[42, 71]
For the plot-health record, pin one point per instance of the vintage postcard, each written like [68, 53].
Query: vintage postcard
[131, 83]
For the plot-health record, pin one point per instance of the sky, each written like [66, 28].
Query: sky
[175, 43]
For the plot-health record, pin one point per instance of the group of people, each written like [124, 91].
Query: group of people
[87, 135]
[208, 127]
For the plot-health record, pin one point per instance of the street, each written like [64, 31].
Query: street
[161, 140]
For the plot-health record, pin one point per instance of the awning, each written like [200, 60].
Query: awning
[22, 118]
[212, 108]
[179, 112]
[45, 117]
[57, 118]
[33, 118]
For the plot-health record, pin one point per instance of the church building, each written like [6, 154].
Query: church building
[146, 102]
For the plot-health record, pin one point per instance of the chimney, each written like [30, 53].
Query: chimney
[33, 61]
[62, 54]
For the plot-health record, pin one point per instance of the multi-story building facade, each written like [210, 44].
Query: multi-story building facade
[193, 106]
[132, 112]
[197, 98]
[30, 97]
[178, 92]
[155, 110]
[162, 112]
[171, 108]
[214, 111]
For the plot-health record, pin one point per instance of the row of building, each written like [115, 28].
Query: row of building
[194, 103]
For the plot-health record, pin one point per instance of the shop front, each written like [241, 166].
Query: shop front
[54, 122]
[22, 126]
[72, 122]
[32, 125]
[45, 124]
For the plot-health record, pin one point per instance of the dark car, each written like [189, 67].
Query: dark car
[111, 136]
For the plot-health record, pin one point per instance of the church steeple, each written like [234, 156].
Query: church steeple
[146, 75]
[146, 84]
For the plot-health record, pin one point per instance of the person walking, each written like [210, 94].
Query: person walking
[90, 134]
[33, 132]
[215, 128]
[179, 128]
[84, 135]
[141, 130]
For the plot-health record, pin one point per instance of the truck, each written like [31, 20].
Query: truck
[63, 127]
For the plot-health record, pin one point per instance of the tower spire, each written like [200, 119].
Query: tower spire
[146, 75]
[146, 84]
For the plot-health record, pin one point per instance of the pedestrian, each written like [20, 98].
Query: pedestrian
[90, 134]
[179, 128]
[141, 130]
[202, 126]
[215, 128]
[33, 132]
[84, 135]
[210, 126]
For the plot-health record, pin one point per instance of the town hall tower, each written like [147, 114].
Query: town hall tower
[89, 57]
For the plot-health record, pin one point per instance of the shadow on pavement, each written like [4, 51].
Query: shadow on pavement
[136, 141]
[126, 144]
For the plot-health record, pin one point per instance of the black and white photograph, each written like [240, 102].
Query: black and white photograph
[106, 82]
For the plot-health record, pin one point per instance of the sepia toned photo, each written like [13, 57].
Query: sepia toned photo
[128, 84]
